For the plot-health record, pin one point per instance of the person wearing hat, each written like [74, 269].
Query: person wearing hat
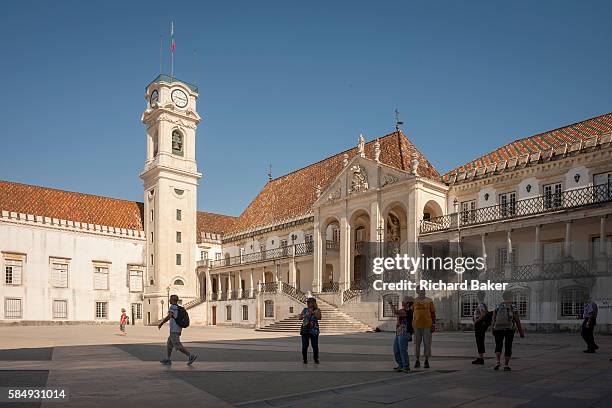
[403, 333]
[309, 331]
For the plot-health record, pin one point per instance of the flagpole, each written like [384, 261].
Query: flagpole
[172, 58]
[161, 71]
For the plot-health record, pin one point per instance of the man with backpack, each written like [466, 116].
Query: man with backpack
[482, 320]
[505, 321]
[179, 319]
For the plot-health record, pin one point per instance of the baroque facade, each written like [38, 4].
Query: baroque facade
[535, 209]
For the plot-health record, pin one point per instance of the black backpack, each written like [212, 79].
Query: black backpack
[487, 320]
[182, 317]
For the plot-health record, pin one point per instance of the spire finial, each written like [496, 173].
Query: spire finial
[270, 172]
[377, 151]
[361, 146]
[398, 122]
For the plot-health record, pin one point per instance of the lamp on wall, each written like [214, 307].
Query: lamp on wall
[293, 237]
[486, 196]
[576, 177]
[528, 187]
[456, 205]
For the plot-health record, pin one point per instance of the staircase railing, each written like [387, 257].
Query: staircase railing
[293, 292]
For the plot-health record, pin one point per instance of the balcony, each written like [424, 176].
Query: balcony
[305, 248]
[563, 269]
[332, 245]
[203, 263]
[576, 198]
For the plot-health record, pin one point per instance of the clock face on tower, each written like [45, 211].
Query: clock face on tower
[179, 98]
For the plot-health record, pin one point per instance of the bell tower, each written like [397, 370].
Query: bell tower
[170, 178]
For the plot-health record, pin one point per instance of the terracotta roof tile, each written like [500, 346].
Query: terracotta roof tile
[66, 205]
[213, 223]
[544, 141]
[292, 195]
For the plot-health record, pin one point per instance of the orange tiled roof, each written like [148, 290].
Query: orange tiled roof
[293, 194]
[66, 205]
[213, 223]
[576, 132]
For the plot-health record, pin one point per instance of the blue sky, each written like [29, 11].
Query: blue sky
[288, 83]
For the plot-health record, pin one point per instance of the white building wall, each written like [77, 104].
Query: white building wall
[39, 244]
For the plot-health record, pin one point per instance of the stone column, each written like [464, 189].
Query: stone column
[318, 255]
[292, 273]
[252, 287]
[208, 285]
[567, 247]
[346, 252]
[219, 287]
[484, 256]
[509, 256]
[537, 248]
[241, 288]
[602, 256]
[229, 286]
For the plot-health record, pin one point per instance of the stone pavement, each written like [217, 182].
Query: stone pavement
[253, 369]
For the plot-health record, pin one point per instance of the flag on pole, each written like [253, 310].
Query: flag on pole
[172, 35]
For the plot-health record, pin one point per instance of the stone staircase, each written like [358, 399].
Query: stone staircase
[333, 321]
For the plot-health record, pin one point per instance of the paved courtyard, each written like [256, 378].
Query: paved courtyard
[251, 369]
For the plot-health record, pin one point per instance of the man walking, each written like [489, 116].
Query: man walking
[423, 322]
[589, 319]
[175, 313]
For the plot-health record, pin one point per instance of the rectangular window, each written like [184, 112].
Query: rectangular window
[387, 310]
[245, 312]
[217, 256]
[179, 215]
[60, 309]
[101, 278]
[507, 202]
[269, 308]
[228, 313]
[572, 302]
[136, 282]
[178, 237]
[12, 308]
[469, 303]
[203, 255]
[101, 310]
[503, 257]
[336, 234]
[151, 263]
[137, 311]
[178, 259]
[151, 215]
[59, 275]
[603, 186]
[307, 237]
[468, 211]
[552, 196]
[151, 236]
[13, 271]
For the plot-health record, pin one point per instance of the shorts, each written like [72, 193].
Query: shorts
[122, 327]
[174, 341]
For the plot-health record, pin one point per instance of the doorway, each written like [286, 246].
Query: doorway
[214, 315]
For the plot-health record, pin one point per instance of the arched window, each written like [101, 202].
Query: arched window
[155, 145]
[269, 308]
[228, 313]
[178, 282]
[520, 299]
[177, 142]
[387, 310]
[469, 303]
[572, 301]
[245, 312]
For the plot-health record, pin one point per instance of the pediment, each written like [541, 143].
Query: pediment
[359, 176]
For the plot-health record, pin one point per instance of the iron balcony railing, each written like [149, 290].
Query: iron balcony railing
[330, 287]
[563, 269]
[513, 209]
[302, 249]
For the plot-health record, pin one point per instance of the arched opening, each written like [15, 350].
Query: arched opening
[431, 210]
[178, 143]
[178, 282]
[330, 231]
[396, 229]
[360, 224]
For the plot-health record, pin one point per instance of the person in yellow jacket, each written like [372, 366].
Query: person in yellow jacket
[424, 324]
